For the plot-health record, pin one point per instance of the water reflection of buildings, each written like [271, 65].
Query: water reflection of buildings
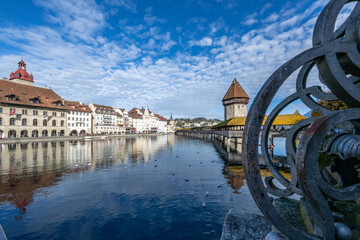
[29, 168]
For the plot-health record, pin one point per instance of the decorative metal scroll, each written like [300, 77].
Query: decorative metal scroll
[336, 56]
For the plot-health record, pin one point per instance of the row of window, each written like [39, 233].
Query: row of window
[35, 133]
[35, 112]
[24, 122]
[106, 117]
[79, 119]
[108, 127]
[79, 113]
[77, 125]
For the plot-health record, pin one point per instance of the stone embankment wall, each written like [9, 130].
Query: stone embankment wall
[67, 138]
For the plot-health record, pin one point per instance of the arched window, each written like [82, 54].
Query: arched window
[35, 133]
[24, 133]
[11, 133]
[62, 123]
[45, 122]
[54, 123]
[12, 121]
[24, 122]
[35, 122]
[0, 121]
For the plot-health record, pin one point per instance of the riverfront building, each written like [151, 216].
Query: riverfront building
[161, 123]
[105, 120]
[31, 111]
[145, 121]
[235, 101]
[126, 120]
[27, 110]
[79, 118]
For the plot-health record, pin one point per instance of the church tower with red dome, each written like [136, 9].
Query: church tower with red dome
[21, 75]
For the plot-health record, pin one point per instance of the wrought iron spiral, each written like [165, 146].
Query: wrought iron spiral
[336, 56]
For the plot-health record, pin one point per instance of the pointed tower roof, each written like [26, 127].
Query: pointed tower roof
[235, 91]
[21, 73]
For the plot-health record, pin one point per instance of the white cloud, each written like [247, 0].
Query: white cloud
[216, 26]
[168, 45]
[272, 18]
[127, 4]
[204, 42]
[78, 18]
[150, 19]
[124, 73]
[251, 19]
[264, 8]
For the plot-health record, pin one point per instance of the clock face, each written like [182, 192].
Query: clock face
[22, 67]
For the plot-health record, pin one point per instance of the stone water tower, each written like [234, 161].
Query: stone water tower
[235, 101]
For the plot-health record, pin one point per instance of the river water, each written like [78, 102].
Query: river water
[126, 188]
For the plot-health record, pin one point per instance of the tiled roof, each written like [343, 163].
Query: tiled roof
[235, 91]
[133, 113]
[142, 110]
[76, 106]
[104, 109]
[24, 95]
[286, 119]
[161, 118]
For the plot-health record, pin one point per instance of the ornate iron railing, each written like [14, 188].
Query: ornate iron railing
[335, 53]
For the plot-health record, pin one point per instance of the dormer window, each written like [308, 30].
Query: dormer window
[57, 103]
[12, 97]
[83, 108]
[72, 107]
[35, 100]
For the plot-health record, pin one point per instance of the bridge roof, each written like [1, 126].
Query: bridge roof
[285, 119]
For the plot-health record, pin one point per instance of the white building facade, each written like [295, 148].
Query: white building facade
[79, 119]
[145, 121]
[105, 120]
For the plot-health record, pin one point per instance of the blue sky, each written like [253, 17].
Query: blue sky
[173, 55]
